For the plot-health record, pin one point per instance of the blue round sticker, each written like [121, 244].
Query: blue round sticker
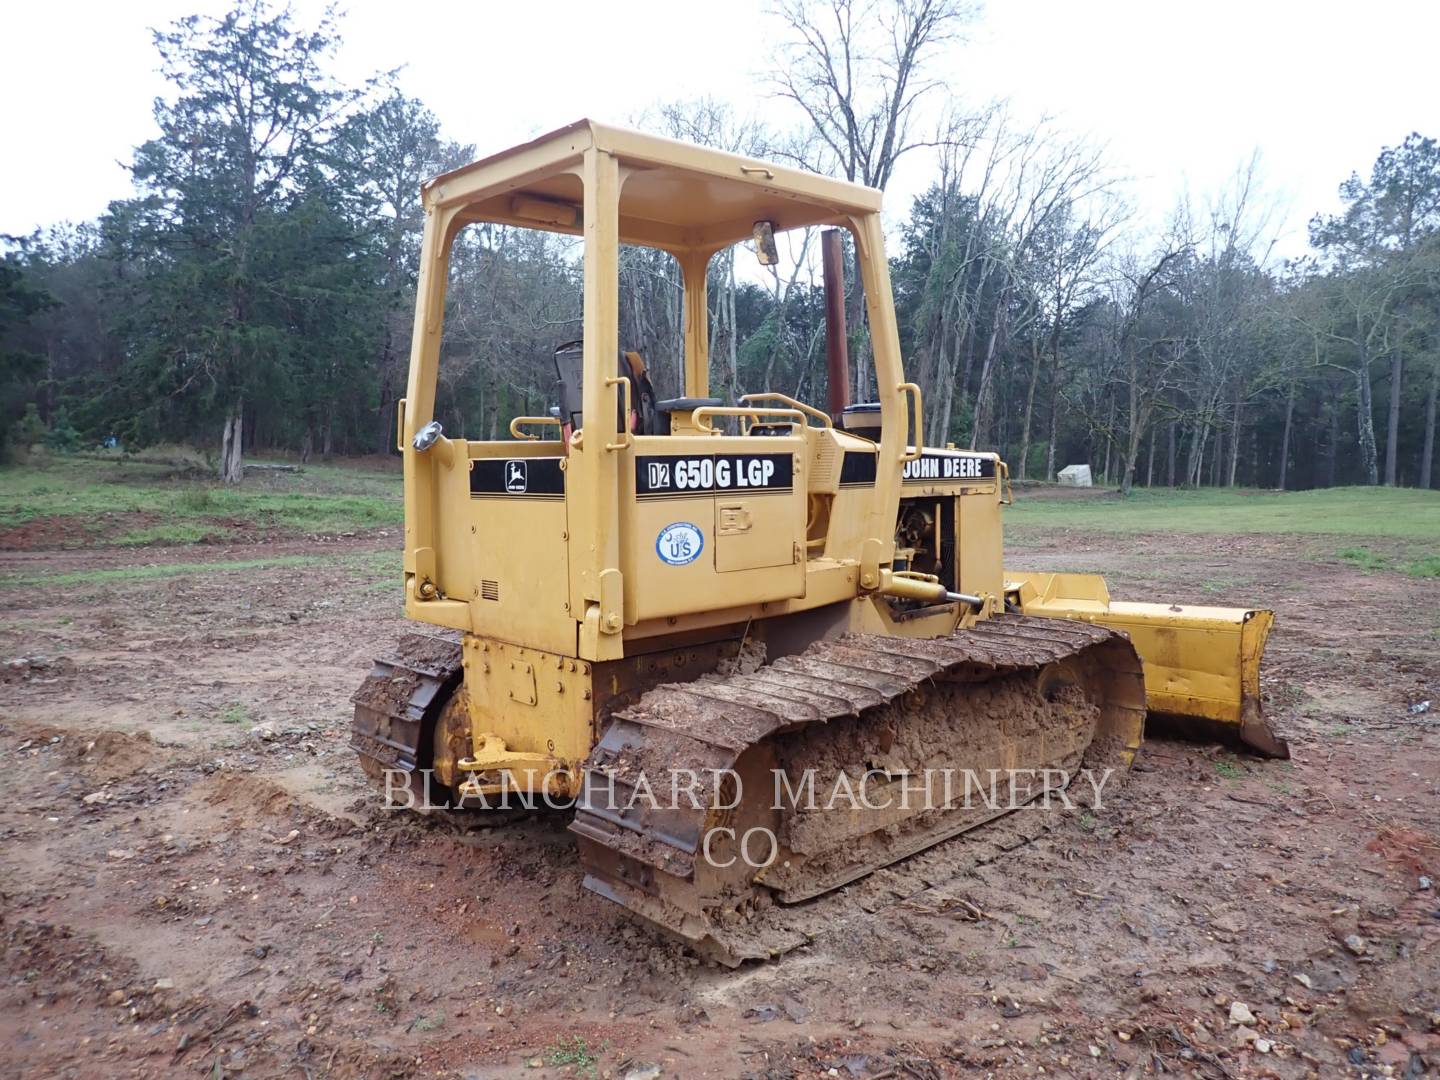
[679, 543]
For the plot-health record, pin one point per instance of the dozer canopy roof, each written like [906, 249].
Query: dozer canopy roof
[673, 195]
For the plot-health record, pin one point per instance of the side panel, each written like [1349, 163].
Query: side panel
[712, 522]
[503, 544]
[982, 564]
[753, 533]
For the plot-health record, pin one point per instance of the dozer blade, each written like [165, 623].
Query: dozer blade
[1202, 664]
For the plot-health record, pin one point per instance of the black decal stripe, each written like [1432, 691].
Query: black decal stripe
[542, 478]
[934, 464]
[857, 469]
[501, 496]
[670, 476]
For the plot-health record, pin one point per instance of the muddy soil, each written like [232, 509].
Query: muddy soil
[198, 882]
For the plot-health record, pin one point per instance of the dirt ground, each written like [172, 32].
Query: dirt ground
[196, 881]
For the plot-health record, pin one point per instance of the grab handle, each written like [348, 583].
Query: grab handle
[539, 421]
[624, 383]
[912, 391]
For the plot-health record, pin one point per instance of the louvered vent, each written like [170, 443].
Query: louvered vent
[825, 466]
[490, 590]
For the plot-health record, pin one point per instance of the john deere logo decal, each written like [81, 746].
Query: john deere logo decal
[517, 479]
[679, 543]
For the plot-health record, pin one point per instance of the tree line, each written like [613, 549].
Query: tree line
[255, 294]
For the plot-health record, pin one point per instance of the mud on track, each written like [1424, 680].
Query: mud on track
[196, 881]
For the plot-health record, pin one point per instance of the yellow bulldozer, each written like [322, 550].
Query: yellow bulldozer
[668, 612]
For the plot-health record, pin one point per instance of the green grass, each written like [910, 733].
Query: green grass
[237, 713]
[177, 505]
[371, 562]
[1396, 513]
[181, 532]
[573, 1051]
[1364, 558]
[1228, 770]
[1424, 566]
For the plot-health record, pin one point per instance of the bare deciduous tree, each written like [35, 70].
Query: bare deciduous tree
[857, 69]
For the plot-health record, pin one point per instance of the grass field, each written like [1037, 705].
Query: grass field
[1405, 521]
[1403, 513]
[90, 501]
[384, 565]
[115, 501]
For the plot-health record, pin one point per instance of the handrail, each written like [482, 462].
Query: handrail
[1005, 485]
[786, 399]
[629, 439]
[704, 412]
[516, 433]
[913, 391]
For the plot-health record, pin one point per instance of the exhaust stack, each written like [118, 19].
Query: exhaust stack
[837, 354]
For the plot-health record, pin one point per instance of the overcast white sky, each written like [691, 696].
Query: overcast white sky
[1181, 93]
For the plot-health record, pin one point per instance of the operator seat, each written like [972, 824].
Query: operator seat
[675, 413]
[569, 371]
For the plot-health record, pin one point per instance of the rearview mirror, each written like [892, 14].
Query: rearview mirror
[765, 249]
